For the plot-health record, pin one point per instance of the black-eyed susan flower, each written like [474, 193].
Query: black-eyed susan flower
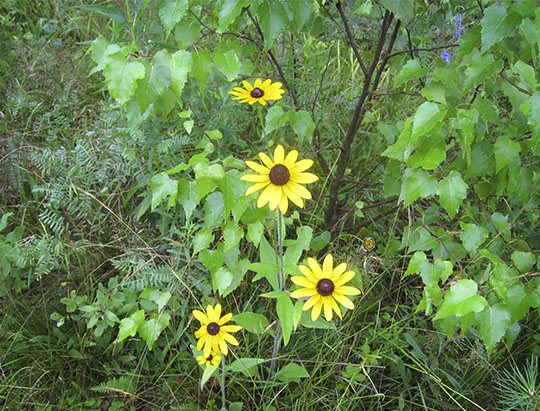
[214, 334]
[213, 359]
[281, 179]
[325, 287]
[260, 92]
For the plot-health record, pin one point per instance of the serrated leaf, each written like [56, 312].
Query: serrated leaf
[128, 326]
[211, 259]
[401, 8]
[482, 68]
[460, 300]
[472, 236]
[151, 329]
[179, 65]
[417, 183]
[255, 231]
[171, 12]
[497, 24]
[154, 83]
[186, 33]
[214, 210]
[232, 234]
[203, 65]
[121, 76]
[428, 157]
[272, 19]
[452, 190]
[228, 63]
[410, 70]
[484, 160]
[414, 263]
[494, 322]
[275, 118]
[187, 196]
[525, 74]
[162, 187]
[427, 116]
[506, 150]
[222, 279]
[524, 260]
[230, 10]
[202, 240]
[247, 366]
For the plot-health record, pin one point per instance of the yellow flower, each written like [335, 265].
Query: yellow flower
[213, 359]
[282, 178]
[325, 287]
[214, 334]
[258, 93]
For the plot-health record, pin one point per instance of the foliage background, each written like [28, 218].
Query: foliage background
[437, 161]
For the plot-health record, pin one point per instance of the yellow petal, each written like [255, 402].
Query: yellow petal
[256, 187]
[304, 178]
[199, 315]
[231, 328]
[211, 314]
[200, 332]
[267, 162]
[311, 302]
[217, 312]
[279, 154]
[255, 178]
[296, 199]
[223, 346]
[283, 204]
[344, 301]
[248, 86]
[291, 158]
[261, 101]
[347, 290]
[299, 190]
[224, 319]
[257, 83]
[275, 197]
[258, 167]
[328, 309]
[230, 339]
[266, 84]
[201, 341]
[315, 268]
[345, 278]
[328, 266]
[302, 165]
[316, 310]
[265, 196]
[335, 307]
[308, 273]
[340, 269]
[303, 281]
[303, 292]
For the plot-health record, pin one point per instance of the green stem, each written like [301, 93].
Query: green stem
[280, 223]
[223, 401]
[130, 23]
[263, 127]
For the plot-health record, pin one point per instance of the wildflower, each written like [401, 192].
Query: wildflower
[459, 29]
[214, 334]
[368, 244]
[213, 359]
[258, 93]
[445, 55]
[324, 287]
[282, 178]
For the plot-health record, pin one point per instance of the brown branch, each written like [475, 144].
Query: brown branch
[397, 53]
[352, 42]
[515, 85]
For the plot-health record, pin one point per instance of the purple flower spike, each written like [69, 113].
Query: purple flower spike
[459, 29]
[445, 55]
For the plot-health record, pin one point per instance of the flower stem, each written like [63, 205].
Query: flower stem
[223, 402]
[280, 224]
[259, 109]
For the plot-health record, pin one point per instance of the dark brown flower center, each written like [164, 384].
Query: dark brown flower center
[257, 93]
[212, 328]
[209, 358]
[279, 175]
[325, 287]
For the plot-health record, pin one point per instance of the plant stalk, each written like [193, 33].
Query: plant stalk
[223, 401]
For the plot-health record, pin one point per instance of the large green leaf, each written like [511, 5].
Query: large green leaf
[524, 260]
[179, 65]
[452, 190]
[162, 187]
[460, 300]
[410, 70]
[203, 65]
[506, 151]
[228, 63]
[472, 236]
[494, 321]
[229, 11]
[254, 323]
[272, 19]
[292, 372]
[417, 183]
[483, 67]
[497, 24]
[151, 329]
[171, 12]
[302, 124]
[285, 312]
[121, 76]
[426, 118]
[401, 8]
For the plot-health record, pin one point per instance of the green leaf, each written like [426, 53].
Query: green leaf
[203, 65]
[292, 372]
[272, 19]
[401, 8]
[415, 262]
[254, 323]
[417, 183]
[186, 33]
[211, 259]
[151, 329]
[207, 373]
[214, 210]
[426, 118]
[533, 119]
[482, 68]
[497, 24]
[228, 64]
[302, 11]
[524, 260]
[101, 50]
[460, 300]
[247, 366]
[187, 196]
[230, 10]
[162, 187]
[263, 270]
[484, 161]
[128, 326]
[296, 247]
[275, 118]
[156, 81]
[302, 124]
[506, 151]
[428, 157]
[255, 231]
[525, 74]
[435, 91]
[495, 321]
[472, 236]
[410, 70]
[418, 239]
[285, 312]
[232, 234]
[121, 76]
[179, 65]
[202, 240]
[171, 12]
[222, 279]
[452, 190]
[208, 178]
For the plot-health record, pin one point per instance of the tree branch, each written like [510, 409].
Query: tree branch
[351, 38]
